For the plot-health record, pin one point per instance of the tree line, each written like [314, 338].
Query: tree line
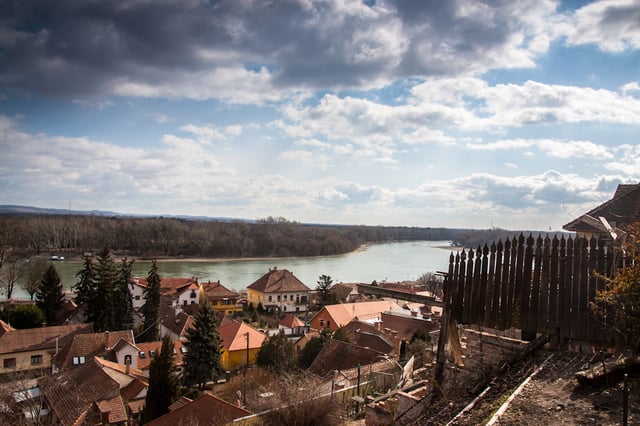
[36, 234]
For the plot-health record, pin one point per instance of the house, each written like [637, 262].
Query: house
[33, 348]
[609, 217]
[347, 292]
[173, 290]
[207, 410]
[149, 350]
[116, 346]
[174, 322]
[279, 289]
[221, 298]
[97, 392]
[367, 335]
[336, 316]
[339, 355]
[239, 339]
[291, 325]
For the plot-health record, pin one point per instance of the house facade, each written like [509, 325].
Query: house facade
[34, 348]
[279, 289]
[221, 298]
[239, 340]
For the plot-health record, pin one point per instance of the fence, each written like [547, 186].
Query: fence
[539, 285]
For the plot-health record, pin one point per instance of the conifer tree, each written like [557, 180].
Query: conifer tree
[163, 385]
[123, 302]
[202, 360]
[84, 286]
[50, 295]
[100, 307]
[151, 307]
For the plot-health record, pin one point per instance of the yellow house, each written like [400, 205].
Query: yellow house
[221, 298]
[33, 348]
[279, 289]
[238, 339]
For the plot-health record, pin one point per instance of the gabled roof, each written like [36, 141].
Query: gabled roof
[175, 320]
[144, 363]
[32, 339]
[366, 335]
[216, 291]
[339, 355]
[233, 336]
[72, 393]
[132, 372]
[405, 326]
[343, 313]
[291, 321]
[169, 286]
[206, 410]
[113, 408]
[621, 210]
[278, 281]
[92, 344]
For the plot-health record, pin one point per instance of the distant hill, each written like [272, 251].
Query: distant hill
[30, 210]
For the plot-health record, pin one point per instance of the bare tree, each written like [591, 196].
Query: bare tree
[13, 270]
[34, 271]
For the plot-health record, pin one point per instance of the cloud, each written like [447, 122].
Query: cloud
[256, 52]
[613, 25]
[553, 148]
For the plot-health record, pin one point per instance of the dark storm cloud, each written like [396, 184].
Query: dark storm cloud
[69, 47]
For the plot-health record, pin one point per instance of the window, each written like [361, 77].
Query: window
[193, 294]
[36, 359]
[77, 360]
[9, 363]
[269, 298]
[183, 350]
[127, 360]
[329, 324]
[278, 298]
[142, 355]
[152, 353]
[321, 323]
[137, 297]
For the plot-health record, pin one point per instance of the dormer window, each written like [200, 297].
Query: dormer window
[152, 353]
[77, 360]
[142, 355]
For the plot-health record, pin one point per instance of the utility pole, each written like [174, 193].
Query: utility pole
[246, 367]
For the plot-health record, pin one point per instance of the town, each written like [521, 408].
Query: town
[120, 349]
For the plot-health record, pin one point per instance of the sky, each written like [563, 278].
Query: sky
[462, 113]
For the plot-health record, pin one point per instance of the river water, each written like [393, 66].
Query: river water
[395, 261]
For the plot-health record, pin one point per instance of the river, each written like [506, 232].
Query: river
[394, 261]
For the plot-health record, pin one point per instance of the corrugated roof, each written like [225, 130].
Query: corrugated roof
[278, 281]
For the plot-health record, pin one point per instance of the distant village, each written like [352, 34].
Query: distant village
[374, 353]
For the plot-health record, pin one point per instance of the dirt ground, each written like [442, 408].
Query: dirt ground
[552, 397]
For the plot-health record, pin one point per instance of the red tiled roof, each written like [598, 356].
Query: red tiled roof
[144, 363]
[92, 344]
[207, 410]
[216, 291]
[343, 313]
[278, 281]
[32, 339]
[114, 408]
[291, 321]
[134, 373]
[233, 335]
[176, 321]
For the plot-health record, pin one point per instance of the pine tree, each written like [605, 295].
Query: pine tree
[123, 302]
[163, 385]
[50, 296]
[151, 307]
[84, 286]
[100, 307]
[202, 360]
[323, 288]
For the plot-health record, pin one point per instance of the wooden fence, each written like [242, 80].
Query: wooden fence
[539, 285]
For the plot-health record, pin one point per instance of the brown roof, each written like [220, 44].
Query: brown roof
[405, 326]
[233, 335]
[207, 410]
[621, 210]
[133, 373]
[175, 320]
[291, 321]
[32, 339]
[113, 408]
[169, 286]
[368, 336]
[216, 291]
[278, 281]
[343, 313]
[144, 363]
[72, 393]
[92, 344]
[339, 355]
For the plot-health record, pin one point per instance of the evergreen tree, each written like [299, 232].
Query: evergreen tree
[123, 303]
[100, 307]
[50, 296]
[151, 307]
[277, 354]
[84, 286]
[323, 287]
[202, 360]
[163, 385]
